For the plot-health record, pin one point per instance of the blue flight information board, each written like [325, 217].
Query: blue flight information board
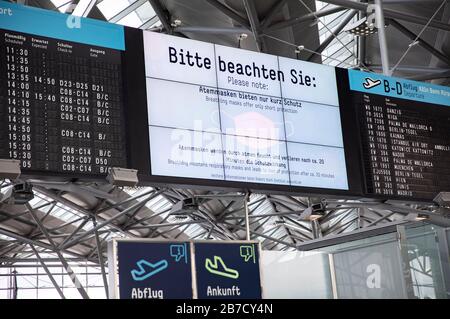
[45, 23]
[405, 130]
[154, 270]
[61, 92]
[227, 270]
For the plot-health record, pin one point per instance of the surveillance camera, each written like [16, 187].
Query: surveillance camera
[19, 194]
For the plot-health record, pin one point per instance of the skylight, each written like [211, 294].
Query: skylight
[62, 5]
[336, 54]
[81, 7]
[110, 8]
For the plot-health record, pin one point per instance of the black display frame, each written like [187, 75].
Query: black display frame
[349, 98]
[138, 148]
[78, 176]
[136, 91]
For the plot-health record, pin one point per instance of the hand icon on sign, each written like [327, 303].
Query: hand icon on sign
[248, 253]
[178, 252]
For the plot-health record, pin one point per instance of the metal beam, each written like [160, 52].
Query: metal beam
[105, 223]
[414, 69]
[252, 14]
[444, 254]
[162, 15]
[380, 219]
[275, 214]
[199, 29]
[247, 220]
[84, 12]
[171, 224]
[263, 235]
[389, 13]
[379, 13]
[100, 260]
[361, 48]
[333, 35]
[49, 274]
[70, 204]
[316, 229]
[74, 232]
[24, 239]
[306, 18]
[406, 267]
[34, 260]
[230, 13]
[122, 14]
[89, 8]
[422, 2]
[276, 8]
[412, 36]
[128, 200]
[147, 24]
[352, 236]
[431, 76]
[66, 266]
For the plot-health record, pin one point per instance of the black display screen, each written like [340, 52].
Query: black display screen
[140, 93]
[61, 105]
[75, 102]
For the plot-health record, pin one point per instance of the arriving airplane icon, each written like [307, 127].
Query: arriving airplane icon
[371, 83]
[147, 269]
[218, 267]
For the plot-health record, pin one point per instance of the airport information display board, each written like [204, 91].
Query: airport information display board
[405, 129]
[219, 113]
[61, 105]
[78, 96]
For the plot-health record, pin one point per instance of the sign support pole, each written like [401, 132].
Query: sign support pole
[247, 220]
[382, 37]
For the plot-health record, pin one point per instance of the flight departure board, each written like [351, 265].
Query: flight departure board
[78, 96]
[405, 131]
[61, 101]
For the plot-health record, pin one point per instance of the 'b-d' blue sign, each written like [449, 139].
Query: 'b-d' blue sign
[60, 26]
[399, 88]
[154, 270]
[227, 270]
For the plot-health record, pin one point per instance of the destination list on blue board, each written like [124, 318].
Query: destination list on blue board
[406, 146]
[60, 105]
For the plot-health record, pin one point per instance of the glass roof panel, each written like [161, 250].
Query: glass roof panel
[110, 8]
[131, 20]
[336, 49]
[81, 7]
[61, 5]
[145, 12]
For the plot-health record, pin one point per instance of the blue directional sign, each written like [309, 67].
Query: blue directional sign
[399, 88]
[154, 270]
[55, 25]
[227, 270]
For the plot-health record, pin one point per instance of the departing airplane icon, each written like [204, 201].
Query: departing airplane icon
[147, 269]
[371, 83]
